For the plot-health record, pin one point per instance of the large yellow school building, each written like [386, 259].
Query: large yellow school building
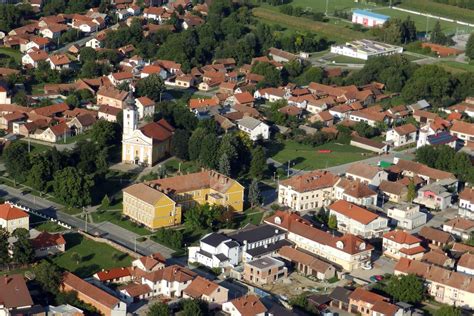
[160, 203]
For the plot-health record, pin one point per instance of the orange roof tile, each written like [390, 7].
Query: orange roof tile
[10, 212]
[353, 211]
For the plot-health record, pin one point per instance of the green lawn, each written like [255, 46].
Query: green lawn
[320, 5]
[115, 217]
[11, 52]
[172, 166]
[347, 60]
[95, 256]
[36, 148]
[255, 219]
[439, 9]
[44, 225]
[420, 21]
[75, 138]
[454, 66]
[308, 158]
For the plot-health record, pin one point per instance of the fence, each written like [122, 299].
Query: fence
[433, 16]
[30, 211]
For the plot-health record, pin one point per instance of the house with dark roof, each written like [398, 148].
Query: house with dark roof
[46, 244]
[215, 250]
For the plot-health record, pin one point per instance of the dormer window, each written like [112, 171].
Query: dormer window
[277, 220]
[340, 244]
[362, 246]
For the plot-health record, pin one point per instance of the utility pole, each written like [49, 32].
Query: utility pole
[85, 214]
[288, 169]
[427, 22]
[327, 3]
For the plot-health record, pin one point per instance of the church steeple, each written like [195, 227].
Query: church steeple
[130, 115]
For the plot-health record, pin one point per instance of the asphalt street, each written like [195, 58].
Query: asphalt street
[106, 230]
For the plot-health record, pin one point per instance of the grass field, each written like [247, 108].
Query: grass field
[44, 225]
[339, 33]
[420, 21]
[11, 52]
[454, 66]
[440, 9]
[307, 157]
[95, 256]
[347, 60]
[172, 166]
[115, 217]
[320, 5]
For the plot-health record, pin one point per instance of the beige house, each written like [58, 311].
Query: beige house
[307, 191]
[393, 191]
[111, 97]
[445, 286]
[349, 252]
[399, 244]
[12, 217]
[211, 292]
[265, 270]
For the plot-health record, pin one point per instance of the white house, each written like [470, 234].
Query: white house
[145, 106]
[270, 94]
[245, 306]
[370, 175]
[399, 244]
[466, 264]
[348, 251]
[215, 251]
[170, 281]
[4, 99]
[466, 203]
[356, 220]
[436, 195]
[153, 69]
[94, 43]
[402, 135]
[407, 216]
[254, 128]
[307, 191]
[34, 57]
[459, 227]
[463, 131]
[356, 192]
[12, 217]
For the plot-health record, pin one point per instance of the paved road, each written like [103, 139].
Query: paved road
[105, 229]
[59, 146]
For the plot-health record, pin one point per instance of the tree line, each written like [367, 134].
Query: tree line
[72, 175]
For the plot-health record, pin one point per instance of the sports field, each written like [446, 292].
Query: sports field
[439, 9]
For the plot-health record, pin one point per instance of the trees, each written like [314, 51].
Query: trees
[470, 47]
[258, 165]
[429, 82]
[48, 275]
[106, 133]
[22, 249]
[332, 221]
[365, 130]
[179, 144]
[195, 143]
[437, 35]
[76, 257]
[73, 187]
[151, 86]
[208, 153]
[406, 288]
[190, 307]
[224, 165]
[105, 202]
[411, 195]
[448, 311]
[158, 309]
[271, 74]
[254, 193]
[4, 255]
[17, 161]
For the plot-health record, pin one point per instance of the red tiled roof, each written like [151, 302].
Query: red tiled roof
[401, 237]
[89, 290]
[353, 211]
[363, 295]
[244, 97]
[405, 129]
[10, 212]
[46, 240]
[284, 219]
[310, 181]
[146, 101]
[249, 305]
[434, 234]
[112, 274]
[200, 103]
[135, 290]
[463, 128]
[160, 130]
[172, 273]
[200, 286]
[14, 292]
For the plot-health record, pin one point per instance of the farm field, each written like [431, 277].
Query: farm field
[320, 5]
[440, 9]
[308, 158]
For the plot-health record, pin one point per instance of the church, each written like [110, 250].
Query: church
[144, 145]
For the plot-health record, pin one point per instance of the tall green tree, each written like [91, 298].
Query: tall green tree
[48, 275]
[179, 144]
[470, 47]
[17, 162]
[195, 143]
[258, 165]
[255, 196]
[4, 245]
[411, 194]
[208, 155]
[106, 133]
[73, 187]
[406, 288]
[224, 165]
[151, 86]
[437, 35]
[158, 309]
[40, 173]
[448, 311]
[332, 221]
[23, 252]
[191, 307]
